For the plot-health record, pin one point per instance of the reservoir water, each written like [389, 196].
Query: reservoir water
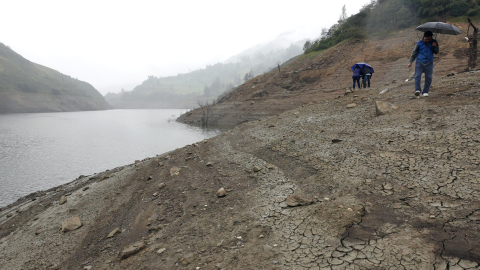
[44, 150]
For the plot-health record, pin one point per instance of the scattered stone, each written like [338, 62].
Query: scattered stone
[383, 107]
[39, 231]
[336, 140]
[267, 248]
[156, 228]
[351, 105]
[71, 224]
[261, 236]
[299, 199]
[63, 200]
[221, 192]
[132, 250]
[160, 164]
[89, 267]
[175, 171]
[114, 232]
[149, 178]
[85, 188]
[187, 259]
[209, 164]
[256, 169]
[160, 251]
[387, 186]
[161, 185]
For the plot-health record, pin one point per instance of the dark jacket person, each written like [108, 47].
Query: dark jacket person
[423, 53]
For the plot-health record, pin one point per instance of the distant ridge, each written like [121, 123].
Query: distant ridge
[27, 87]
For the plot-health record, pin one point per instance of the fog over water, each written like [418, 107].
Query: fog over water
[44, 150]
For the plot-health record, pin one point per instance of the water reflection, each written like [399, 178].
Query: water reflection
[40, 151]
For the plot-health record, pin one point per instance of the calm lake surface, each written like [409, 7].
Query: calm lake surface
[44, 150]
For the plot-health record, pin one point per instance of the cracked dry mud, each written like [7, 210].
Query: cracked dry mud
[397, 191]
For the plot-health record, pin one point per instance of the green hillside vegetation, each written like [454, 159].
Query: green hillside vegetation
[383, 16]
[185, 90]
[29, 87]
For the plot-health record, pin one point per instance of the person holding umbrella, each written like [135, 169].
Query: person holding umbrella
[356, 75]
[423, 53]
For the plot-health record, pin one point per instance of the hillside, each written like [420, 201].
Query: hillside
[367, 180]
[321, 76]
[27, 87]
[187, 90]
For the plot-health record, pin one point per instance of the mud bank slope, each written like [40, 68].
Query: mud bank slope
[323, 186]
[323, 76]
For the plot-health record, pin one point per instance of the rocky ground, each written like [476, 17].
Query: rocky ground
[363, 181]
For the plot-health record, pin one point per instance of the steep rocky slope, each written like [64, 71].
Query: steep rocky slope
[26, 87]
[363, 181]
[319, 77]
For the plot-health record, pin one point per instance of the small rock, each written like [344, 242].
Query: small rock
[256, 169]
[221, 192]
[336, 140]
[160, 164]
[114, 232]
[160, 251]
[387, 186]
[131, 250]
[351, 105]
[149, 178]
[87, 267]
[209, 164]
[383, 107]
[261, 236]
[189, 258]
[71, 224]
[299, 199]
[432, 216]
[39, 231]
[9, 215]
[63, 200]
[85, 188]
[174, 171]
[267, 248]
[161, 185]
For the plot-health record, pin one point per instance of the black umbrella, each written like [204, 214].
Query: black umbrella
[439, 27]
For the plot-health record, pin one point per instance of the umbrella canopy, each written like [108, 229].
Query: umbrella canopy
[439, 27]
[361, 66]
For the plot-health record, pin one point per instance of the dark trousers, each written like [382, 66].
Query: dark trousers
[366, 79]
[426, 68]
[356, 79]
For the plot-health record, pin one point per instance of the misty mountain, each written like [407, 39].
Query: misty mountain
[185, 90]
[27, 87]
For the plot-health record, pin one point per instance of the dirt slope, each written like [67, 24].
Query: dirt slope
[394, 191]
[319, 77]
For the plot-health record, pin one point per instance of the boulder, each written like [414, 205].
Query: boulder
[71, 224]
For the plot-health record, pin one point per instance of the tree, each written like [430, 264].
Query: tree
[343, 15]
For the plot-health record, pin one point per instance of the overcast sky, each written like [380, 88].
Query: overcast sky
[115, 44]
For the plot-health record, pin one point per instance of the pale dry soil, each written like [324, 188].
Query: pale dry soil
[393, 191]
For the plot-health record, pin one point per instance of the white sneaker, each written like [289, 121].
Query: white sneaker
[425, 94]
[417, 93]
